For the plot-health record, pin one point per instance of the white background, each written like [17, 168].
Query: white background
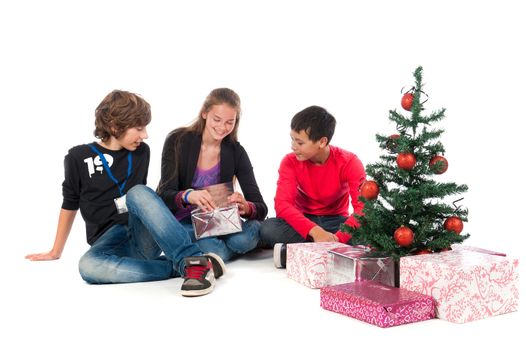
[58, 59]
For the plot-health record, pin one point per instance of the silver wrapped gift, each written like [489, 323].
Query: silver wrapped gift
[217, 222]
[350, 264]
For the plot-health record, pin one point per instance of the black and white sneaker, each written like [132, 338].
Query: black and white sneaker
[217, 263]
[280, 255]
[199, 276]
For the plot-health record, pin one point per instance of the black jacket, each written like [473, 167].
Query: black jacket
[234, 161]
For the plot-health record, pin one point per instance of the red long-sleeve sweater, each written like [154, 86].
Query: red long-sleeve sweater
[306, 188]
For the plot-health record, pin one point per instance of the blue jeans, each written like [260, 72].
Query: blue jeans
[132, 253]
[227, 246]
[276, 230]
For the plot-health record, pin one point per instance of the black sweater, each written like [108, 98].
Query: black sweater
[234, 161]
[87, 185]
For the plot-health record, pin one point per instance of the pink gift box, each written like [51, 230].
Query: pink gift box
[351, 263]
[475, 249]
[466, 285]
[377, 304]
[307, 262]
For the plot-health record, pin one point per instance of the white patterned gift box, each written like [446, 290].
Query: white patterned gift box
[476, 249]
[466, 285]
[377, 304]
[307, 262]
[353, 263]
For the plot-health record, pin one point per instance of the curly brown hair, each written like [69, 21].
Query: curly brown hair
[119, 111]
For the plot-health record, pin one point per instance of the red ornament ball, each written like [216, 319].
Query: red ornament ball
[392, 143]
[441, 164]
[369, 190]
[454, 224]
[422, 252]
[406, 161]
[407, 101]
[404, 236]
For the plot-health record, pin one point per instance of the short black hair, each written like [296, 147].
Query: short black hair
[316, 122]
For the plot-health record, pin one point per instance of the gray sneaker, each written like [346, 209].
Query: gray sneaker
[217, 263]
[199, 276]
[280, 255]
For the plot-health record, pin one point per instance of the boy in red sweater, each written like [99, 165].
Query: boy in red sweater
[314, 186]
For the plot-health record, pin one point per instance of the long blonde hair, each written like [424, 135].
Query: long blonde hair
[215, 97]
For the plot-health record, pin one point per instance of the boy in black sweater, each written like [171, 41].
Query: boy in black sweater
[127, 225]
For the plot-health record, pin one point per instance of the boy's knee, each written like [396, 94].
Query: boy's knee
[93, 269]
[138, 194]
[137, 191]
[87, 268]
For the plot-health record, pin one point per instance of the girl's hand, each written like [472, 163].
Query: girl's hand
[242, 204]
[202, 199]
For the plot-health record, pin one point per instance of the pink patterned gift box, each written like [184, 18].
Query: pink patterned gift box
[475, 249]
[466, 285]
[307, 262]
[377, 304]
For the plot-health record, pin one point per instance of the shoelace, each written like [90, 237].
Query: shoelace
[195, 271]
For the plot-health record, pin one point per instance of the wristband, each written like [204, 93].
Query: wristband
[185, 197]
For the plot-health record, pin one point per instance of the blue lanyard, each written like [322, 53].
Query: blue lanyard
[108, 171]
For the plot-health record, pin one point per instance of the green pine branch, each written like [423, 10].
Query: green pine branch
[413, 198]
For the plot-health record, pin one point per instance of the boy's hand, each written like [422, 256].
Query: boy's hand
[320, 235]
[43, 256]
[242, 204]
[202, 199]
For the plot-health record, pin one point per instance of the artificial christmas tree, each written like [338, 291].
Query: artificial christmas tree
[413, 212]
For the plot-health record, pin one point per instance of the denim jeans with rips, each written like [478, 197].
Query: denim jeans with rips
[132, 253]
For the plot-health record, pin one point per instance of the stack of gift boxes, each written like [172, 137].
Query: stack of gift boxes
[460, 285]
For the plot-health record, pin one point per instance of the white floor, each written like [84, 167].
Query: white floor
[46, 305]
[59, 58]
